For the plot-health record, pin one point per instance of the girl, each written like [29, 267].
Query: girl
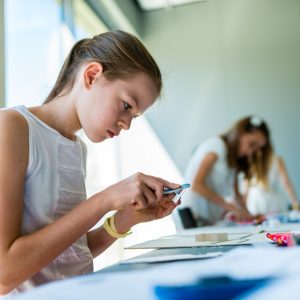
[45, 225]
[214, 168]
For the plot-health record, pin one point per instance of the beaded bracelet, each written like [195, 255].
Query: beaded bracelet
[109, 226]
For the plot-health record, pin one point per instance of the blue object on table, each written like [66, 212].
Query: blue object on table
[214, 288]
[287, 219]
[177, 190]
[290, 217]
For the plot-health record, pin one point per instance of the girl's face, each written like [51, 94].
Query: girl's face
[250, 142]
[109, 106]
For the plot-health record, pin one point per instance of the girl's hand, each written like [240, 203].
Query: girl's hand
[131, 216]
[137, 192]
[163, 208]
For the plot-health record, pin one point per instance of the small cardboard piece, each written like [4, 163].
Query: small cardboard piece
[211, 237]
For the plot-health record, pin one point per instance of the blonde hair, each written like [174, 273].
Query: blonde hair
[258, 165]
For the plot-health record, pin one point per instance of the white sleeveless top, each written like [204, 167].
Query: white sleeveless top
[54, 185]
[220, 179]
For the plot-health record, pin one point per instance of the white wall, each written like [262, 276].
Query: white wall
[222, 60]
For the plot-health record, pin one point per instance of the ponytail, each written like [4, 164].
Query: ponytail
[121, 55]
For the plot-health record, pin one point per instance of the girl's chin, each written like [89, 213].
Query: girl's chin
[97, 139]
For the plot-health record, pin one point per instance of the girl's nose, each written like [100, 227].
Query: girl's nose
[125, 124]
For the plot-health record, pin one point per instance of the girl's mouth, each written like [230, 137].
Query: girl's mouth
[110, 134]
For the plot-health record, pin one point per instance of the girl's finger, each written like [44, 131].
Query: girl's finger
[149, 196]
[178, 202]
[168, 197]
[166, 183]
[170, 206]
[140, 202]
[153, 184]
[157, 184]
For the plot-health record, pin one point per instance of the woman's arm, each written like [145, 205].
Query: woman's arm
[287, 183]
[199, 186]
[241, 198]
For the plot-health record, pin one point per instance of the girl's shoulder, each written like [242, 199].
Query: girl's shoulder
[12, 122]
[14, 139]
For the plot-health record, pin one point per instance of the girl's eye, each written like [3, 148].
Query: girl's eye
[126, 106]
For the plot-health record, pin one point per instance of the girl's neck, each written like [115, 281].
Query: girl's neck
[60, 114]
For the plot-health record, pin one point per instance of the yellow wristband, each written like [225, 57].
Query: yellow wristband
[109, 226]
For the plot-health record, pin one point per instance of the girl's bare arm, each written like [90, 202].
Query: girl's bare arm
[21, 256]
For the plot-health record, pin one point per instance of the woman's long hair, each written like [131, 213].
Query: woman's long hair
[257, 166]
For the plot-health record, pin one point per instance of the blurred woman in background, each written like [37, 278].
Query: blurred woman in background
[214, 169]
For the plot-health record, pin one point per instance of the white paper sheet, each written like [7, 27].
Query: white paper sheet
[166, 258]
[180, 241]
[237, 235]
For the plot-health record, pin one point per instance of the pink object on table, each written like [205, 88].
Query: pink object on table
[282, 238]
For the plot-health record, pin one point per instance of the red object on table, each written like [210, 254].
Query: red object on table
[256, 220]
[282, 238]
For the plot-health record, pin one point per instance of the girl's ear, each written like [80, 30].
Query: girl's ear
[92, 72]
